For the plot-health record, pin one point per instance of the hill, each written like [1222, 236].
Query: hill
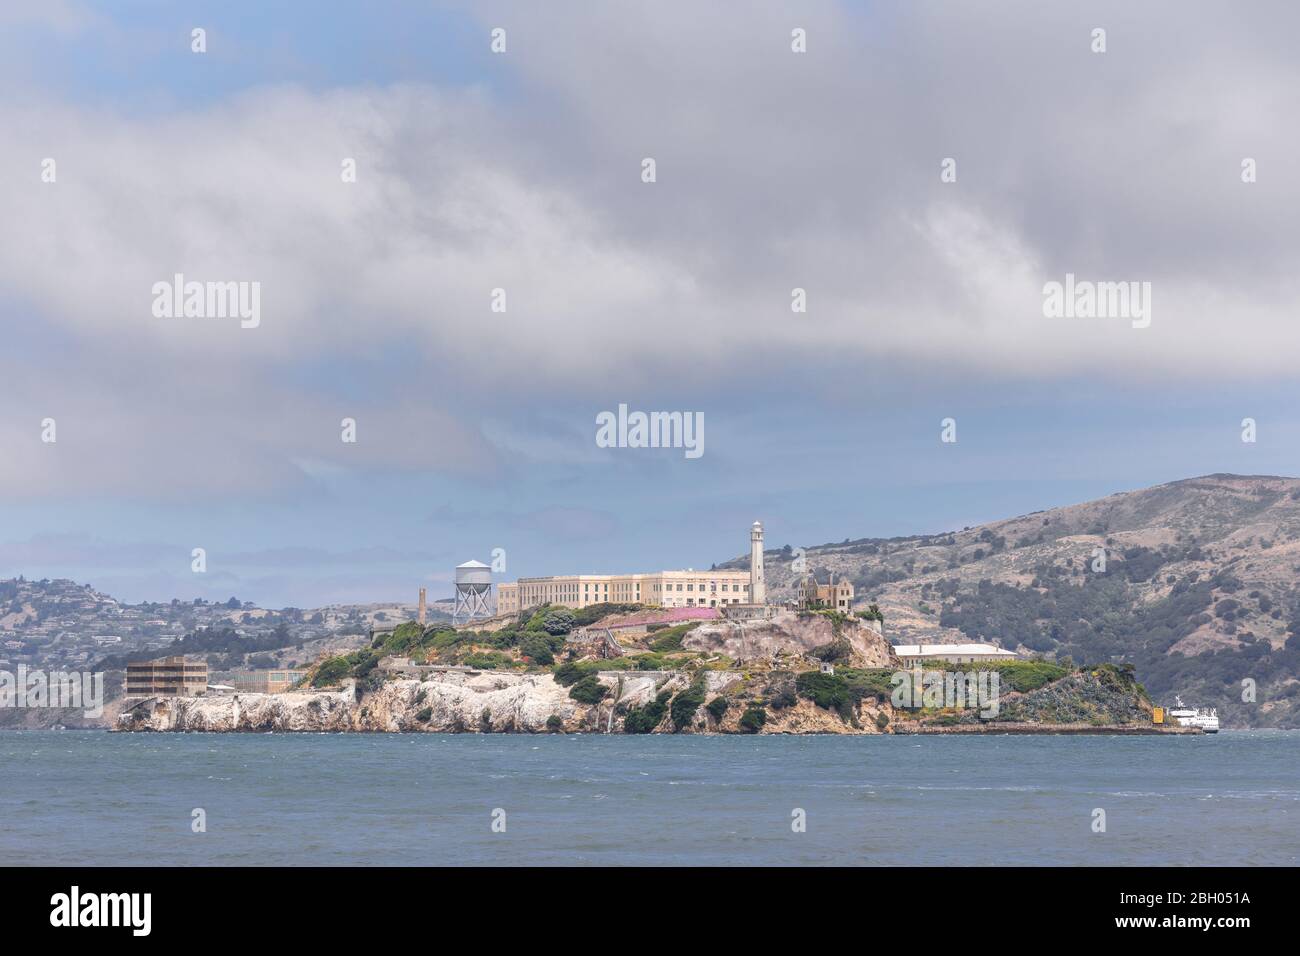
[1199, 588]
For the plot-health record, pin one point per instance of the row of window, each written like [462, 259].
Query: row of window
[713, 586]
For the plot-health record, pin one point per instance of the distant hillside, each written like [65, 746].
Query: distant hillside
[1201, 588]
[63, 625]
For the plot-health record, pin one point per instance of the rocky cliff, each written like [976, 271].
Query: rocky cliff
[488, 702]
[830, 636]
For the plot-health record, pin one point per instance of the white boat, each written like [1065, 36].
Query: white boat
[1205, 718]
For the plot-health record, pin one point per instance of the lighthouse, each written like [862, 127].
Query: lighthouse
[757, 589]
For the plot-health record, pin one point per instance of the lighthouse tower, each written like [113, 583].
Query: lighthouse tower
[757, 589]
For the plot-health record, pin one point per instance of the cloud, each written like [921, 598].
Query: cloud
[776, 170]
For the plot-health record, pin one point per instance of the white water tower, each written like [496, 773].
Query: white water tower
[473, 590]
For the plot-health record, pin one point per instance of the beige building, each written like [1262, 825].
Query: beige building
[952, 653]
[687, 588]
[837, 596]
[166, 676]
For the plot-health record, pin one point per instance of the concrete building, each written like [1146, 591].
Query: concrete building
[687, 588]
[259, 682]
[952, 653]
[166, 677]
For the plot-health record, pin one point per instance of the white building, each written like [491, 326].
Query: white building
[687, 588]
[952, 653]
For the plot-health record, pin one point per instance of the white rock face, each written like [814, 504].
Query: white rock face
[789, 632]
[246, 712]
[635, 688]
[483, 701]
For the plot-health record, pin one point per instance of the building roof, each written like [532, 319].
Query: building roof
[943, 650]
[472, 564]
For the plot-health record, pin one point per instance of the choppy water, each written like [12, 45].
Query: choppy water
[97, 798]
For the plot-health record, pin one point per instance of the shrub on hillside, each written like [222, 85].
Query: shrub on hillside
[670, 639]
[331, 672]
[570, 672]
[829, 691]
[686, 704]
[643, 720]
[559, 621]
[588, 690]
[592, 613]
[541, 649]
[753, 719]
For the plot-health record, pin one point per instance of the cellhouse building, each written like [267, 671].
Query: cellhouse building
[688, 588]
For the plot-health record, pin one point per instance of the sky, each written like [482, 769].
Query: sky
[524, 171]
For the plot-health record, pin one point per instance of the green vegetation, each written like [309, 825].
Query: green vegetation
[717, 707]
[1021, 676]
[753, 719]
[868, 682]
[686, 703]
[670, 639]
[331, 672]
[643, 662]
[552, 619]
[553, 724]
[424, 715]
[570, 672]
[586, 616]
[489, 660]
[828, 691]
[539, 649]
[844, 690]
[588, 690]
[872, 613]
[643, 720]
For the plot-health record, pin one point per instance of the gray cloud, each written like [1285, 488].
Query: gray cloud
[775, 171]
